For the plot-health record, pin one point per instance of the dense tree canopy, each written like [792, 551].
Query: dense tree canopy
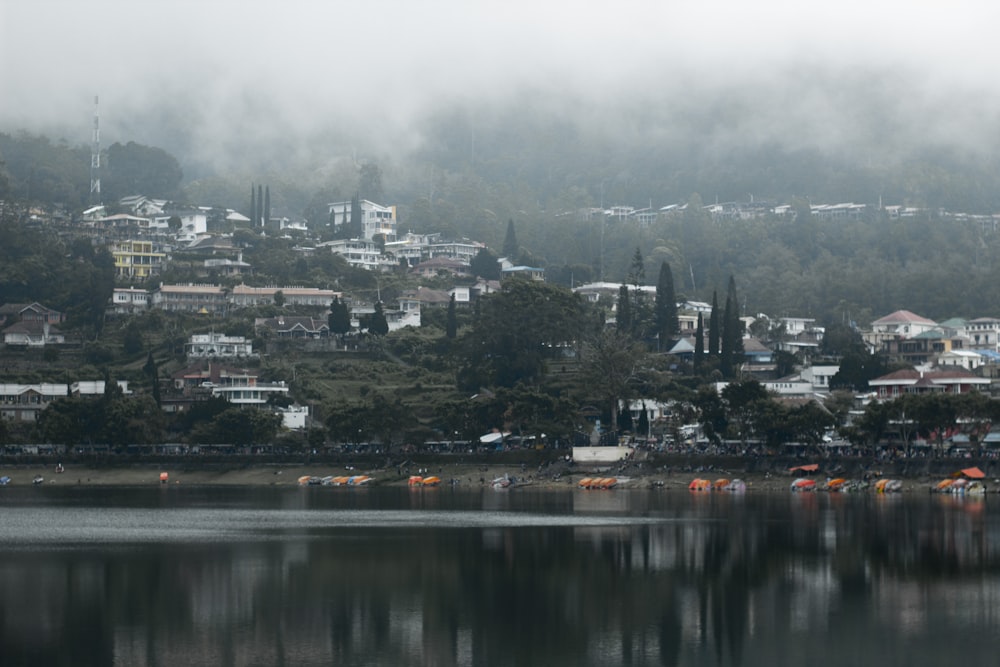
[516, 331]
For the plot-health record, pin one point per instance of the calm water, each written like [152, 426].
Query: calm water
[388, 576]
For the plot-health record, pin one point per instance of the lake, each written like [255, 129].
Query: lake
[442, 576]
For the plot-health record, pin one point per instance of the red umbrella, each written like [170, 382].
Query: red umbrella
[973, 473]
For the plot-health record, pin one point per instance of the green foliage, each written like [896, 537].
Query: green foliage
[665, 307]
[511, 249]
[136, 169]
[112, 419]
[238, 426]
[516, 330]
[485, 265]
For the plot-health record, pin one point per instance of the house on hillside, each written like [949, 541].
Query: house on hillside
[218, 345]
[291, 326]
[33, 334]
[895, 326]
[29, 312]
[914, 381]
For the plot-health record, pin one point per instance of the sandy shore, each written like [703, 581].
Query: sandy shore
[464, 475]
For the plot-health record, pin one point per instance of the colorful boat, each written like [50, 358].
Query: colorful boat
[720, 484]
[803, 484]
[433, 480]
[888, 486]
[358, 480]
[585, 482]
[835, 485]
[416, 480]
[699, 484]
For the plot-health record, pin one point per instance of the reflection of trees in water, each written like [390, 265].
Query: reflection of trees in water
[721, 580]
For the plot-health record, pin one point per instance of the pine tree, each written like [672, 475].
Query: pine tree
[378, 325]
[667, 324]
[623, 320]
[511, 249]
[732, 334]
[357, 226]
[267, 206]
[713, 327]
[258, 221]
[253, 205]
[699, 344]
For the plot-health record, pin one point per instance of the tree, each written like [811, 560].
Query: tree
[623, 317]
[665, 307]
[378, 325]
[611, 363]
[253, 206]
[731, 354]
[511, 249]
[152, 370]
[339, 319]
[485, 265]
[258, 221]
[739, 398]
[267, 207]
[451, 327]
[699, 344]
[515, 331]
[279, 299]
[356, 229]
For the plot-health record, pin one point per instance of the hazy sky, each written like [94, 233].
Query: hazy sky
[292, 67]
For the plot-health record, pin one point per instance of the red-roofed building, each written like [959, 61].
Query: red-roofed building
[912, 381]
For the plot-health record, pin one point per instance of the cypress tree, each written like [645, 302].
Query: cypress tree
[699, 344]
[267, 206]
[253, 206]
[623, 320]
[732, 333]
[339, 319]
[258, 221]
[378, 326]
[667, 324]
[713, 327]
[357, 226]
[510, 247]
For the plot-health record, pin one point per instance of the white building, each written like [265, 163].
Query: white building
[256, 393]
[360, 253]
[218, 345]
[375, 218]
[128, 300]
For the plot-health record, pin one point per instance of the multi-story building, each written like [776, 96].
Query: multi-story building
[136, 259]
[190, 298]
[244, 296]
[360, 253]
[128, 300]
[217, 345]
[375, 219]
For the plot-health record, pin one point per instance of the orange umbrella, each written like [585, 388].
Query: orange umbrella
[973, 473]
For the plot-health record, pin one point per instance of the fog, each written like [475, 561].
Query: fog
[222, 83]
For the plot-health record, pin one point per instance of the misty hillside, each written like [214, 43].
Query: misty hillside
[541, 157]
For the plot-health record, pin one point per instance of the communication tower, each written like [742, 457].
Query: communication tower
[95, 159]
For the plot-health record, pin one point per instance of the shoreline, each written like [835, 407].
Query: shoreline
[461, 475]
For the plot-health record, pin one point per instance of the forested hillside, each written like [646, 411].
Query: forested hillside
[474, 169]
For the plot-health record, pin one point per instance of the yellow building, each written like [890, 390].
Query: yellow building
[136, 259]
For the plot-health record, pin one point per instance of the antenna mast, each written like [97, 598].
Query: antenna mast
[95, 159]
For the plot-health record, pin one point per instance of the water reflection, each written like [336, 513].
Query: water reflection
[518, 577]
